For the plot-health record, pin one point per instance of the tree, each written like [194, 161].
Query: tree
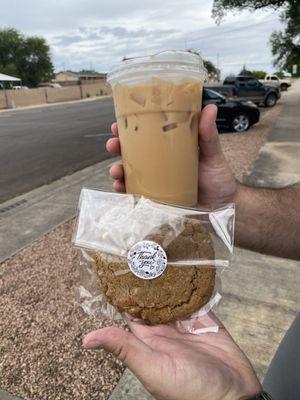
[25, 57]
[209, 65]
[245, 72]
[285, 44]
[88, 72]
[259, 74]
[280, 74]
[211, 68]
[221, 7]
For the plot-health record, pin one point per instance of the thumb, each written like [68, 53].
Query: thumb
[209, 143]
[122, 344]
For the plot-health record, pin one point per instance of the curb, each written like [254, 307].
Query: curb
[7, 396]
[41, 210]
[4, 110]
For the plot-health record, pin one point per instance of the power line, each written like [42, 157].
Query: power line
[241, 28]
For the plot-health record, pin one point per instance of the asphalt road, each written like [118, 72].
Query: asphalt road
[40, 145]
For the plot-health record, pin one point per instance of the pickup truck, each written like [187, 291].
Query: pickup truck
[247, 88]
[273, 80]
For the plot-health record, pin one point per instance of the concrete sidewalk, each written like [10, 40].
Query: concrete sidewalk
[35, 213]
[278, 162]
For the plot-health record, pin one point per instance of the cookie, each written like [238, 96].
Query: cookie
[177, 293]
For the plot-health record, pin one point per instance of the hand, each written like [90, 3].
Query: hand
[216, 184]
[180, 366]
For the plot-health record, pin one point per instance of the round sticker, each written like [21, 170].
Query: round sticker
[147, 259]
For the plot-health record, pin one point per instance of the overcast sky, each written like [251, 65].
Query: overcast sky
[97, 34]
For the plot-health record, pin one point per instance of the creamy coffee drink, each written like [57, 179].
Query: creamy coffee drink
[158, 128]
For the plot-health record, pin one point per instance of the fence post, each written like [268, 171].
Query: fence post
[46, 95]
[81, 91]
[6, 98]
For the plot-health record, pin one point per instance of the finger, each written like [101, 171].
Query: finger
[119, 186]
[114, 129]
[113, 146]
[116, 171]
[135, 354]
[209, 143]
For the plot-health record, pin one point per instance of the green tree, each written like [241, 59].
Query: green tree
[25, 57]
[280, 74]
[209, 65]
[221, 7]
[245, 71]
[285, 44]
[88, 72]
[259, 74]
[211, 68]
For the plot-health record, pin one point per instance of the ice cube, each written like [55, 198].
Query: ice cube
[169, 127]
[138, 98]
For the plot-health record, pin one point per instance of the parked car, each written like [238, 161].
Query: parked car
[248, 88]
[19, 87]
[234, 115]
[273, 80]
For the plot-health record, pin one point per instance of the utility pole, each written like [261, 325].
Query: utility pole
[218, 67]
[185, 44]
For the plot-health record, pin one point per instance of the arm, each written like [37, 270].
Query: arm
[268, 220]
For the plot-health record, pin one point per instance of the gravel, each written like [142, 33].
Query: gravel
[241, 149]
[41, 329]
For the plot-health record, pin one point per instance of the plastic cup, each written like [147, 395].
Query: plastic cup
[157, 103]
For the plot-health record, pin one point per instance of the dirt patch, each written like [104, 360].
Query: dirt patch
[42, 328]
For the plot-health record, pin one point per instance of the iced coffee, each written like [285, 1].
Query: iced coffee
[157, 117]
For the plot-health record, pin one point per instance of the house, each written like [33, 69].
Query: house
[67, 78]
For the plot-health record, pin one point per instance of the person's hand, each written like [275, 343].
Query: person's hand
[216, 184]
[180, 366]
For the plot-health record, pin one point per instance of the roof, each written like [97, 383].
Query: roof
[8, 78]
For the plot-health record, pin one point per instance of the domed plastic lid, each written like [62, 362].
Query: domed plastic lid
[166, 62]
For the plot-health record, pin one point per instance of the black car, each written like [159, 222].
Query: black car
[232, 114]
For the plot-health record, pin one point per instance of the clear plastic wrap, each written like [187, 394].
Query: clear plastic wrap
[150, 260]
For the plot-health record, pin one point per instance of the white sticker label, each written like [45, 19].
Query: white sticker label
[147, 259]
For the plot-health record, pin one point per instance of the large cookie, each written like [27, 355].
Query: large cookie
[177, 293]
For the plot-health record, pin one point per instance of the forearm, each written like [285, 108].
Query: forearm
[268, 220]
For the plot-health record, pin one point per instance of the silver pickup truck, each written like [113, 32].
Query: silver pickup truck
[273, 80]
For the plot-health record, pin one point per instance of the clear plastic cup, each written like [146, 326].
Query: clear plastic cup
[157, 103]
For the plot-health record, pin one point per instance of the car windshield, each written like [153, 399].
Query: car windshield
[211, 94]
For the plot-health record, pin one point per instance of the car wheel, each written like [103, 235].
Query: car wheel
[240, 123]
[284, 87]
[271, 100]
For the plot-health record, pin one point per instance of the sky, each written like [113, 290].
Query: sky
[97, 34]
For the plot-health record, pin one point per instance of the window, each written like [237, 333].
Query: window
[209, 94]
[252, 83]
[274, 78]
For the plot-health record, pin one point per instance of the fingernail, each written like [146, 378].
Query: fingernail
[93, 344]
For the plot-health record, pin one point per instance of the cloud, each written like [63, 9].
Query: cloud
[100, 34]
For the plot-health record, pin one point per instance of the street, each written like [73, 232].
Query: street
[40, 145]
